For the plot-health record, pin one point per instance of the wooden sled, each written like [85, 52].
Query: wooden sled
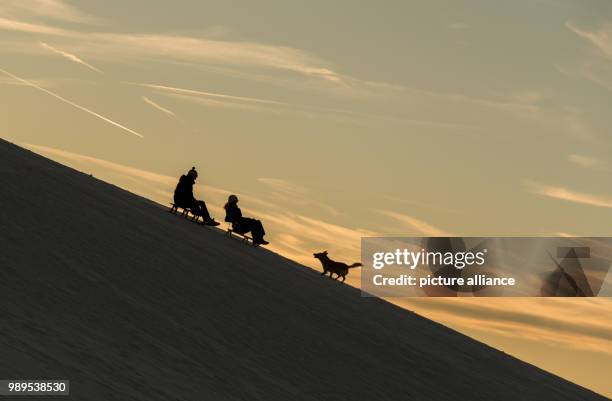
[185, 213]
[244, 237]
[174, 210]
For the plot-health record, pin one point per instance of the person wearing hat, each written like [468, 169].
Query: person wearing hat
[243, 225]
[183, 197]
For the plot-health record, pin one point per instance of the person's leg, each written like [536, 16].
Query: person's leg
[203, 211]
[243, 225]
[259, 226]
[258, 232]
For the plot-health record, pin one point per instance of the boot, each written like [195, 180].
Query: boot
[211, 222]
[260, 241]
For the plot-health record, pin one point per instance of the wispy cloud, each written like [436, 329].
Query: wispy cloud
[21, 26]
[600, 39]
[569, 195]
[55, 95]
[564, 234]
[567, 322]
[50, 9]
[424, 205]
[597, 68]
[586, 161]
[521, 103]
[420, 226]
[283, 186]
[296, 195]
[577, 124]
[70, 57]
[239, 53]
[255, 60]
[157, 106]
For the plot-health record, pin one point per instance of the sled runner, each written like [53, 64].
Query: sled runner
[246, 238]
[185, 213]
[195, 217]
[175, 208]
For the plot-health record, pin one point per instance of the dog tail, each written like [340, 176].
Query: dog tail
[355, 265]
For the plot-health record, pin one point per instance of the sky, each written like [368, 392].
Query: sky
[337, 120]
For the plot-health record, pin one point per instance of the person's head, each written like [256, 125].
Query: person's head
[232, 199]
[192, 173]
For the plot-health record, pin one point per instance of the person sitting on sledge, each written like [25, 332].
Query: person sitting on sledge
[183, 197]
[243, 225]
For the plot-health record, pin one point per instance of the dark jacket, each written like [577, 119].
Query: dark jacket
[232, 213]
[183, 194]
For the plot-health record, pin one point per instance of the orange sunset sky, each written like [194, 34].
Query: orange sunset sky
[334, 121]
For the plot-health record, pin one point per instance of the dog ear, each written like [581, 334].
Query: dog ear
[325, 252]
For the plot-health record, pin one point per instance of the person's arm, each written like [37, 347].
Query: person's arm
[230, 214]
[190, 189]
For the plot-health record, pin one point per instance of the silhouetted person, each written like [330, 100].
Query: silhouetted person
[243, 225]
[183, 197]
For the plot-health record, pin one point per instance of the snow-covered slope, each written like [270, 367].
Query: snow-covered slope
[129, 302]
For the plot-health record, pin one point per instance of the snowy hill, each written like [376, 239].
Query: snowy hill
[129, 302]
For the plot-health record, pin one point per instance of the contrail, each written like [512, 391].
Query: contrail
[72, 104]
[157, 106]
[299, 107]
[212, 94]
[70, 57]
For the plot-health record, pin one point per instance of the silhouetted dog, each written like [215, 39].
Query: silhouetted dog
[331, 266]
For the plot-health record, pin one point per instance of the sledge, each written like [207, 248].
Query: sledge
[185, 213]
[175, 208]
[246, 238]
